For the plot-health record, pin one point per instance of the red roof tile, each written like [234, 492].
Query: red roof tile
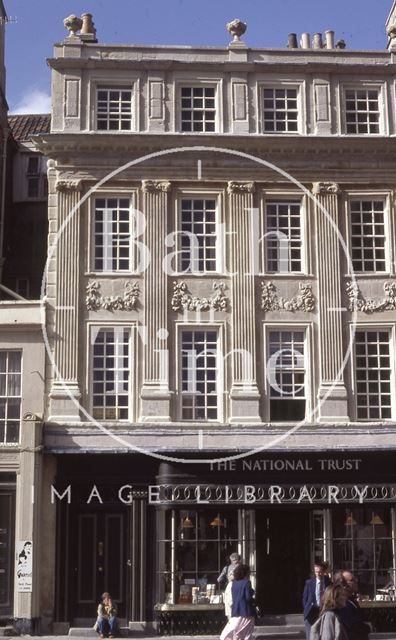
[25, 126]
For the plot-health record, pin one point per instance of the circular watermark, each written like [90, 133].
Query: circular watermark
[163, 333]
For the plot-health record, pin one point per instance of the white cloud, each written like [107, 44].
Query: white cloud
[34, 101]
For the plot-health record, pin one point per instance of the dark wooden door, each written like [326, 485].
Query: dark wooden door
[7, 519]
[99, 562]
[282, 559]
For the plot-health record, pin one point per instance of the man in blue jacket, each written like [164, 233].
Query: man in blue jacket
[313, 591]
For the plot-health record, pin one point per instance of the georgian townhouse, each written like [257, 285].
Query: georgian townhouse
[220, 324]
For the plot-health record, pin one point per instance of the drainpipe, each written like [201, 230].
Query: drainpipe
[6, 133]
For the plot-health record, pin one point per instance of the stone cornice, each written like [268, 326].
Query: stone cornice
[153, 186]
[368, 151]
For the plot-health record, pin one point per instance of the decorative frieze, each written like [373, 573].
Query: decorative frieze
[370, 305]
[324, 188]
[240, 187]
[182, 299]
[303, 301]
[152, 186]
[95, 301]
[68, 185]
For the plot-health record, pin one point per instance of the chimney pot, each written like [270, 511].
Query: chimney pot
[317, 41]
[329, 35]
[340, 44]
[292, 41]
[305, 41]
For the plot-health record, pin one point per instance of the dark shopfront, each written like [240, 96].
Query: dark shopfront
[183, 520]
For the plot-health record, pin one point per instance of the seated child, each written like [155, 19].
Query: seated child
[107, 622]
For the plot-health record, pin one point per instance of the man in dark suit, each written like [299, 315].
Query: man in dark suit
[313, 591]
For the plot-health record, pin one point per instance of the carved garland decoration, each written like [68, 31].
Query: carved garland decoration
[95, 301]
[182, 299]
[303, 301]
[358, 303]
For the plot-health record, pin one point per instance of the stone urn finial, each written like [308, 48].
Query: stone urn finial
[236, 28]
[72, 24]
[391, 33]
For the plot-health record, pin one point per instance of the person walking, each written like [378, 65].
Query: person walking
[312, 594]
[351, 616]
[329, 625]
[226, 572]
[241, 623]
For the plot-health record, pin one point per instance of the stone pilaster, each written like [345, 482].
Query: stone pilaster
[155, 395]
[244, 396]
[27, 526]
[65, 389]
[332, 391]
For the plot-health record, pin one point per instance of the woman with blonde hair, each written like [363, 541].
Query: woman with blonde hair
[328, 626]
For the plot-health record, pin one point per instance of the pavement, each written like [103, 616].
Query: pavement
[280, 634]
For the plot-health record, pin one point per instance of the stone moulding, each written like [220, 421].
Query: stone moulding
[240, 187]
[151, 186]
[183, 300]
[303, 301]
[370, 305]
[95, 301]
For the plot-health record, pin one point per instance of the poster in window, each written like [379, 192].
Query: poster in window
[24, 566]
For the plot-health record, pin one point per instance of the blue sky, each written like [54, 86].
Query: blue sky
[39, 23]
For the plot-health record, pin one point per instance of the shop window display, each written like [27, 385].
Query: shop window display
[362, 543]
[196, 547]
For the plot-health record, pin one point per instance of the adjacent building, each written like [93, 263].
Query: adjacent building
[220, 299]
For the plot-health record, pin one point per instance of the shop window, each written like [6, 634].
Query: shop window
[373, 375]
[368, 237]
[112, 235]
[362, 111]
[280, 113]
[198, 109]
[283, 236]
[286, 375]
[195, 548]
[199, 375]
[10, 396]
[110, 386]
[114, 109]
[198, 237]
[362, 543]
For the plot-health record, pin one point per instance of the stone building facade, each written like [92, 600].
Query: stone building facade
[219, 322]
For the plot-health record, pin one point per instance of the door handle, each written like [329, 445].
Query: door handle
[100, 568]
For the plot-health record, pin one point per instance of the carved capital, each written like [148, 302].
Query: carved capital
[240, 187]
[325, 188]
[182, 299]
[303, 301]
[95, 301]
[151, 186]
[66, 186]
[30, 417]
